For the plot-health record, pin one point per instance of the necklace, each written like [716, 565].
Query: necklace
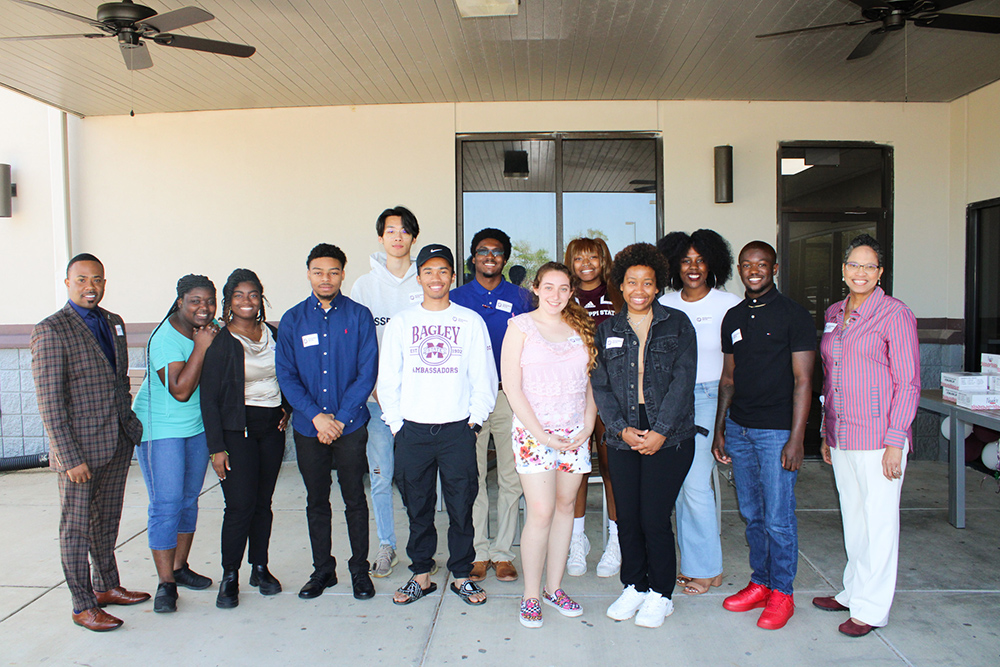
[628, 316]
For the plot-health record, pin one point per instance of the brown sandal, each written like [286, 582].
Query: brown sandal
[701, 586]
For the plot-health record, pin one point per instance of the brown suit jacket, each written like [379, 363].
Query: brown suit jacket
[81, 398]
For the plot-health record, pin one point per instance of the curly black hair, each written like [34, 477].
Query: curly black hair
[641, 254]
[327, 250]
[864, 240]
[491, 233]
[235, 278]
[714, 249]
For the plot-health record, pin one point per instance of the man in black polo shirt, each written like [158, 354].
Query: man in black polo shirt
[769, 346]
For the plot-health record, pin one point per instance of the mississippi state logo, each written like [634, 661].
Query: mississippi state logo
[435, 350]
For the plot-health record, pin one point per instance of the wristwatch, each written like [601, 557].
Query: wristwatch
[477, 428]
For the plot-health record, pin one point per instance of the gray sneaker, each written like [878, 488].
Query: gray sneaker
[384, 561]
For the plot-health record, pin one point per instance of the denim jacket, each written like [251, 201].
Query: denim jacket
[671, 362]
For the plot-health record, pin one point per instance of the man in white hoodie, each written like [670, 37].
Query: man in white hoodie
[437, 383]
[388, 288]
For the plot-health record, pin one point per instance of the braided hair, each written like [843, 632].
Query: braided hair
[235, 278]
[186, 284]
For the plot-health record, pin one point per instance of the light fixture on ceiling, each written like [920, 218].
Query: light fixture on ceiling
[468, 9]
[8, 190]
[793, 165]
[515, 165]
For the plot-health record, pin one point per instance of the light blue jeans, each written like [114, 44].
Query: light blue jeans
[174, 472]
[697, 523]
[381, 463]
[766, 494]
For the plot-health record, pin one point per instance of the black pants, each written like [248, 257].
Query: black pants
[315, 462]
[423, 450]
[254, 461]
[646, 487]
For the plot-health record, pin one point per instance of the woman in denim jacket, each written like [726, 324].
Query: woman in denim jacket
[644, 388]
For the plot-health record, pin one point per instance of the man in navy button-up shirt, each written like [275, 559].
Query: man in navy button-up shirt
[327, 361]
[496, 301]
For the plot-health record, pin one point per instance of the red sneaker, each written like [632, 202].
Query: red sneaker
[780, 608]
[751, 597]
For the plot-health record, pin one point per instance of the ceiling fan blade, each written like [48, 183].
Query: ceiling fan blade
[136, 57]
[868, 44]
[966, 22]
[26, 38]
[179, 18]
[828, 26]
[207, 45]
[947, 4]
[60, 12]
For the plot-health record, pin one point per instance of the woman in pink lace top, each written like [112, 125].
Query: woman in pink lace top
[545, 361]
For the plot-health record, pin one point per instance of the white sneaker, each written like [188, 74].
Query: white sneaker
[654, 609]
[611, 561]
[576, 562]
[627, 604]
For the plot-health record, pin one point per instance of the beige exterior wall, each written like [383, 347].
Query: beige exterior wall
[157, 196]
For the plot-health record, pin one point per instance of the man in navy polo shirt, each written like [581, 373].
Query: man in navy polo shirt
[327, 361]
[496, 300]
[769, 346]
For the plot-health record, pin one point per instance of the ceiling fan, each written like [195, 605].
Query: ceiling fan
[893, 15]
[132, 24]
[643, 185]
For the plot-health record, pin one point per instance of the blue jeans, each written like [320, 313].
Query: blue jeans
[381, 463]
[174, 472]
[766, 495]
[697, 524]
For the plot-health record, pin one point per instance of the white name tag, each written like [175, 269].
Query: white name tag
[505, 306]
[703, 319]
[416, 297]
[614, 341]
[737, 336]
[830, 326]
[575, 339]
[119, 330]
[310, 339]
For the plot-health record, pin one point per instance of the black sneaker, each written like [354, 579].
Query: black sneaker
[166, 598]
[188, 578]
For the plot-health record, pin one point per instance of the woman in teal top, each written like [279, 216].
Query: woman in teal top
[173, 455]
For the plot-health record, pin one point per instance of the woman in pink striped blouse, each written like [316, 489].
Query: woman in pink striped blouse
[871, 367]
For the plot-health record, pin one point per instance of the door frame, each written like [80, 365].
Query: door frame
[973, 214]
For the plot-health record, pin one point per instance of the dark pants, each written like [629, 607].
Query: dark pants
[315, 462]
[422, 451]
[254, 461]
[91, 512]
[646, 487]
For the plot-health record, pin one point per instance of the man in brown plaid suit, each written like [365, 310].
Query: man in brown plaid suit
[79, 359]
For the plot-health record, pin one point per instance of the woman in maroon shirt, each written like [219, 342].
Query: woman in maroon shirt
[590, 260]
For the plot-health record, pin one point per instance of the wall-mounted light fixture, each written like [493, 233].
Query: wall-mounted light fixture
[724, 174]
[7, 191]
[515, 164]
[476, 8]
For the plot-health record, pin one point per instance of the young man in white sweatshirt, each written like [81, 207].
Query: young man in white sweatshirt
[437, 383]
[388, 288]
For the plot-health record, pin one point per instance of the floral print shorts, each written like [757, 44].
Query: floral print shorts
[530, 456]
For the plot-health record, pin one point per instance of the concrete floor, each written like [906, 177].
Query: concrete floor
[946, 612]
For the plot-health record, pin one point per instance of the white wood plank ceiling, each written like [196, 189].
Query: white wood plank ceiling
[337, 52]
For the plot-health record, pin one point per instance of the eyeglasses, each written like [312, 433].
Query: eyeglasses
[485, 252]
[867, 268]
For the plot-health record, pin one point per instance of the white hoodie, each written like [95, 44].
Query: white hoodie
[384, 294]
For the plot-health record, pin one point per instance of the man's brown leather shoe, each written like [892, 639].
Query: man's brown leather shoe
[119, 595]
[97, 619]
[505, 571]
[479, 569]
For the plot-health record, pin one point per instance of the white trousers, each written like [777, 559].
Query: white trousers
[869, 506]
